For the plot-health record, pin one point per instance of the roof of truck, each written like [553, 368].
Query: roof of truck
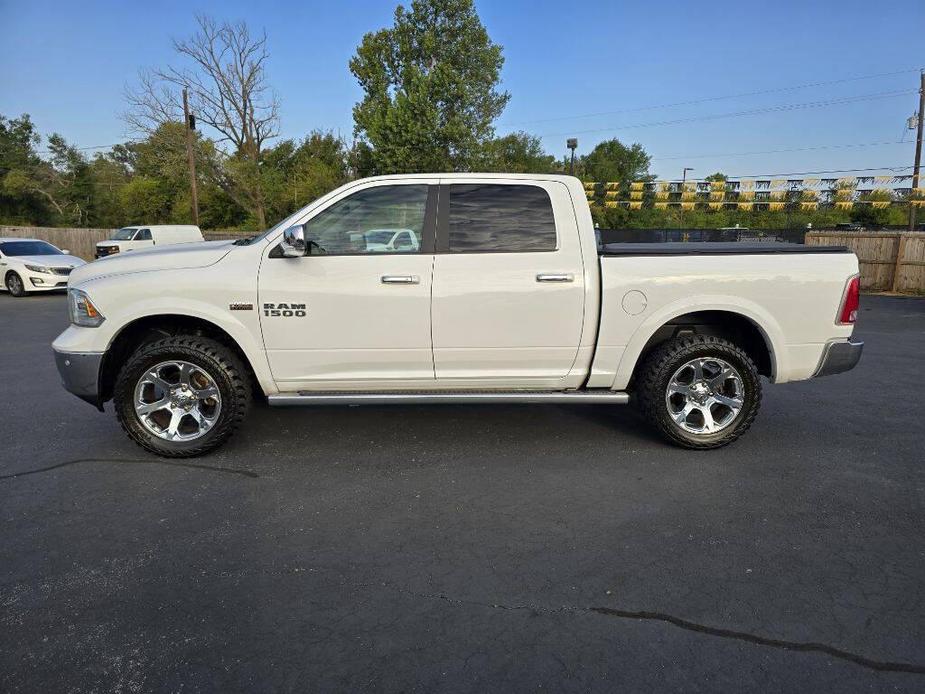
[475, 174]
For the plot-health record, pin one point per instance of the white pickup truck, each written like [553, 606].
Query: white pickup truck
[503, 295]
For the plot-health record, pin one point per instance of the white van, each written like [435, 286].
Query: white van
[133, 238]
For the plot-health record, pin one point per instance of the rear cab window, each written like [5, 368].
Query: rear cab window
[498, 218]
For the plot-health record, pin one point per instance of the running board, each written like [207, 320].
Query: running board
[609, 397]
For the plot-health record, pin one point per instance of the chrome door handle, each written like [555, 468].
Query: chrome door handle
[555, 277]
[401, 279]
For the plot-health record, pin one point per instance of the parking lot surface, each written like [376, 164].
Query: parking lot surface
[468, 548]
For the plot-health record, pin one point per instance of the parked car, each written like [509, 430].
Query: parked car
[30, 265]
[134, 238]
[505, 297]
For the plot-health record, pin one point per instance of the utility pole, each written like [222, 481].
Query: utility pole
[189, 124]
[918, 149]
[683, 181]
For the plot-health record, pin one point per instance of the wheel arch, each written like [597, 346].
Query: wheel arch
[749, 326]
[151, 327]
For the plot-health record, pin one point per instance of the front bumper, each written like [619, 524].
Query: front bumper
[45, 283]
[839, 357]
[80, 374]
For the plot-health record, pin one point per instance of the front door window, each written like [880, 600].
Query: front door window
[385, 219]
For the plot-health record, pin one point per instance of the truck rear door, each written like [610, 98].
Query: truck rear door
[508, 286]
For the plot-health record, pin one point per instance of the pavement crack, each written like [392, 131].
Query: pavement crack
[152, 461]
[802, 646]
[646, 615]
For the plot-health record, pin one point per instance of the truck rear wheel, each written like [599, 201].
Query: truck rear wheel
[182, 396]
[701, 392]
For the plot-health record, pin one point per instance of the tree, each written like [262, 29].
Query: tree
[229, 92]
[517, 153]
[718, 176]
[296, 172]
[430, 86]
[611, 160]
[21, 201]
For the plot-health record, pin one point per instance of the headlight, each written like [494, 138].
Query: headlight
[82, 310]
[38, 268]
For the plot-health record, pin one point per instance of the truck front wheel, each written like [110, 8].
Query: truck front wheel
[181, 396]
[701, 392]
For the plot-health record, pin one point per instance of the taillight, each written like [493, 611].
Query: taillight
[850, 302]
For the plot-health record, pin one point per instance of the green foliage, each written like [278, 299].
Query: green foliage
[611, 160]
[430, 89]
[516, 153]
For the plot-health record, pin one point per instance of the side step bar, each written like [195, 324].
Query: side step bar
[448, 398]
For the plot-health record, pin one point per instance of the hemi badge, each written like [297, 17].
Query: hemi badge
[241, 307]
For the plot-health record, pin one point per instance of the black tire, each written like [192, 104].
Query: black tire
[14, 284]
[661, 365]
[221, 364]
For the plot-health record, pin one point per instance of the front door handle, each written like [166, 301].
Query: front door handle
[401, 279]
[555, 277]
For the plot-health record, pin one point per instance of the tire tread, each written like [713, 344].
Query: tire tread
[179, 346]
[667, 356]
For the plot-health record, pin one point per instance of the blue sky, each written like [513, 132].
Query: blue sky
[67, 63]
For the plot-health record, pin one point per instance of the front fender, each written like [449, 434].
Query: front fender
[124, 300]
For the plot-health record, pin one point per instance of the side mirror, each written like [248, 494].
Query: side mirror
[65, 251]
[293, 243]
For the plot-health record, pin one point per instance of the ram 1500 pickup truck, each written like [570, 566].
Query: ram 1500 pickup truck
[457, 288]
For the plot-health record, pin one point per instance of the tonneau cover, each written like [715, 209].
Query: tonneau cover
[711, 248]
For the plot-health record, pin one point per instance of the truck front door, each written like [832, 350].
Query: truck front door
[509, 286]
[355, 314]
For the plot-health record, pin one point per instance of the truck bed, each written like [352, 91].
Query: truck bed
[714, 248]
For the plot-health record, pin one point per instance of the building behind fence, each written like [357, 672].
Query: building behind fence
[772, 194]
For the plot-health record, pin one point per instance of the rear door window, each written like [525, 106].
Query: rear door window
[486, 218]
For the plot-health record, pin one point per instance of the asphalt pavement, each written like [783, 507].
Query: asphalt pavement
[468, 548]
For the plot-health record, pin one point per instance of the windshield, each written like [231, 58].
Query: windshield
[13, 248]
[125, 234]
[382, 237]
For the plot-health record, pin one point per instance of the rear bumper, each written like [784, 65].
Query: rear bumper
[80, 374]
[839, 357]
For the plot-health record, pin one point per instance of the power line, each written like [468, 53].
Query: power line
[750, 112]
[710, 99]
[894, 169]
[87, 149]
[850, 145]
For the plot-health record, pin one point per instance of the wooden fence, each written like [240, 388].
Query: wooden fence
[890, 261]
[82, 242]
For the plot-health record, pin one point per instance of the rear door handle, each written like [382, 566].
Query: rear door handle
[401, 279]
[555, 277]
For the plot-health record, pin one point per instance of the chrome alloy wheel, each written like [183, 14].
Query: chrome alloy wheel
[177, 401]
[705, 395]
